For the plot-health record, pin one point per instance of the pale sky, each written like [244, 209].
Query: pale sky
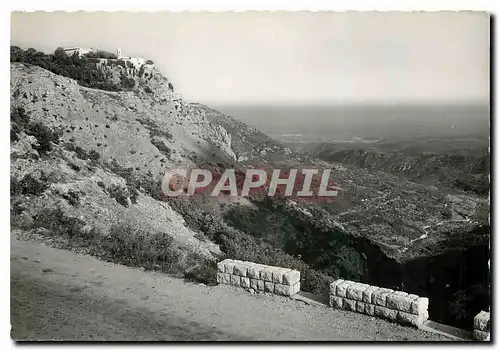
[280, 57]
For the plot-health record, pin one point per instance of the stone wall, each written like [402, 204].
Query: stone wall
[482, 326]
[396, 306]
[259, 277]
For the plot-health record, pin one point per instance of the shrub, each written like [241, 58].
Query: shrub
[127, 83]
[72, 197]
[44, 135]
[128, 244]
[237, 244]
[154, 129]
[82, 154]
[19, 121]
[60, 224]
[160, 145]
[148, 90]
[149, 62]
[119, 193]
[82, 69]
[28, 185]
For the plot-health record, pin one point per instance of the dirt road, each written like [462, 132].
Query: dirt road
[57, 294]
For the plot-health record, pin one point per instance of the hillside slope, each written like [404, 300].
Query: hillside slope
[100, 151]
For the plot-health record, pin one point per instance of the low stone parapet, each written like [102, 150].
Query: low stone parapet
[249, 275]
[396, 306]
[482, 326]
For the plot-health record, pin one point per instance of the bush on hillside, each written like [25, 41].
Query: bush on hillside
[83, 69]
[128, 244]
[21, 122]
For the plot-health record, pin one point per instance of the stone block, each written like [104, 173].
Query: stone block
[419, 305]
[254, 284]
[260, 285]
[245, 282]
[342, 288]
[235, 280]
[482, 321]
[269, 287]
[360, 307]
[296, 288]
[400, 293]
[333, 286]
[349, 305]
[411, 319]
[413, 296]
[221, 266]
[278, 276]
[229, 267]
[253, 272]
[291, 277]
[223, 278]
[355, 291]
[266, 274]
[386, 313]
[240, 269]
[379, 297]
[368, 292]
[285, 290]
[399, 302]
[369, 309]
[481, 335]
[336, 301]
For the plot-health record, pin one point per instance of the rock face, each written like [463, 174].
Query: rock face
[98, 155]
[280, 281]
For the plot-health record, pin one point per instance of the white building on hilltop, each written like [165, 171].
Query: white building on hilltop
[136, 61]
[79, 51]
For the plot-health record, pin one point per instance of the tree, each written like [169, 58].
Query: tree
[60, 55]
[16, 54]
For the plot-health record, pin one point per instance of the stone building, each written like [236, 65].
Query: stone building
[79, 51]
[136, 61]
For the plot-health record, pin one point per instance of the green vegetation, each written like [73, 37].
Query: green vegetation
[21, 122]
[237, 244]
[28, 185]
[128, 244]
[83, 69]
[315, 242]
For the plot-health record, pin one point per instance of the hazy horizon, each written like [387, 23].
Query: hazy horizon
[366, 121]
[288, 57]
